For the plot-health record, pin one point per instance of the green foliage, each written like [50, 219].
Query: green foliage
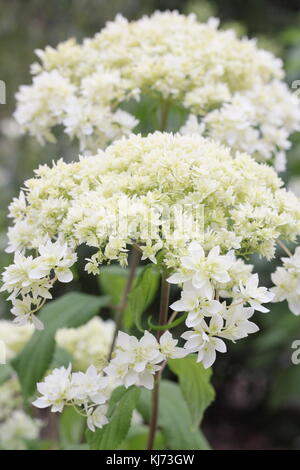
[61, 357]
[6, 371]
[71, 427]
[285, 388]
[137, 439]
[142, 295]
[174, 418]
[195, 385]
[71, 310]
[112, 281]
[121, 405]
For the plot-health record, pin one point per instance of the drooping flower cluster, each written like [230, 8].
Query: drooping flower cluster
[29, 279]
[160, 192]
[134, 363]
[226, 82]
[206, 279]
[287, 282]
[88, 391]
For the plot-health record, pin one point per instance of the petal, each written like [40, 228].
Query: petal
[64, 275]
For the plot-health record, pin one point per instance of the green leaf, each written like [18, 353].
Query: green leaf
[61, 357]
[112, 280]
[121, 406]
[195, 385]
[137, 439]
[71, 427]
[71, 310]
[6, 371]
[142, 295]
[174, 418]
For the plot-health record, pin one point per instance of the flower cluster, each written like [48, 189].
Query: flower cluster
[125, 194]
[17, 429]
[29, 279]
[134, 363]
[287, 282]
[14, 337]
[87, 391]
[16, 426]
[227, 82]
[245, 123]
[206, 278]
[87, 344]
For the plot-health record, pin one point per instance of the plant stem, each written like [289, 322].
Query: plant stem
[164, 111]
[285, 248]
[163, 318]
[133, 264]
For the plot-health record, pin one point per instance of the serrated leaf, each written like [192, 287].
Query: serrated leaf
[121, 406]
[71, 310]
[195, 385]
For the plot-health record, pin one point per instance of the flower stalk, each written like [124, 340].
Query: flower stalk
[120, 309]
[163, 319]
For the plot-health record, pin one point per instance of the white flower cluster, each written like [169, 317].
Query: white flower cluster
[205, 279]
[257, 121]
[121, 196]
[28, 279]
[17, 429]
[287, 282]
[88, 344]
[227, 82]
[134, 363]
[14, 337]
[87, 391]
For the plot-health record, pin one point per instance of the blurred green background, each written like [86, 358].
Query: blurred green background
[258, 388]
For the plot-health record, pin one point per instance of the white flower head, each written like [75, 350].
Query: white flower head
[55, 389]
[253, 294]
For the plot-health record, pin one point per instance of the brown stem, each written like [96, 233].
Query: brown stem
[133, 264]
[163, 318]
[285, 248]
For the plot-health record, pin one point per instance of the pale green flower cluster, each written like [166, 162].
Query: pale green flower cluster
[14, 337]
[227, 82]
[146, 191]
[17, 429]
[88, 344]
[16, 426]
